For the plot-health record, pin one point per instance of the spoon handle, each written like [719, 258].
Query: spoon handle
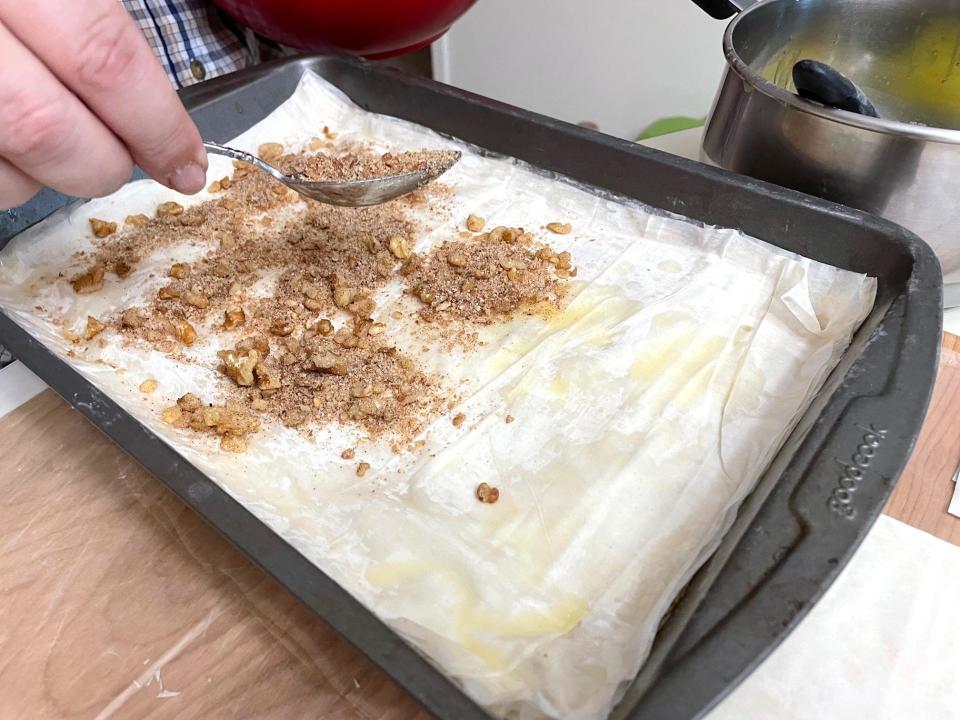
[244, 156]
[722, 9]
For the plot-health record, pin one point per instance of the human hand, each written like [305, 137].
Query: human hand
[82, 99]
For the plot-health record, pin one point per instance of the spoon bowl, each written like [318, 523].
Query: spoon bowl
[345, 193]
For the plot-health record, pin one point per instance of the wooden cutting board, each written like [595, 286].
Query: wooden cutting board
[114, 596]
[923, 493]
[116, 600]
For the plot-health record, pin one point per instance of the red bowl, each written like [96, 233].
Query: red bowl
[372, 28]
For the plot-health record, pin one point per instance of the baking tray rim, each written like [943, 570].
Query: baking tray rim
[357, 624]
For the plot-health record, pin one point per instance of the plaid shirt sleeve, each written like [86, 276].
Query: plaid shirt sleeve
[195, 41]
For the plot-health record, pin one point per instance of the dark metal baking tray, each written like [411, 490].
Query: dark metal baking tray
[809, 511]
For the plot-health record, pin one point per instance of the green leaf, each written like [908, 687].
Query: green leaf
[670, 125]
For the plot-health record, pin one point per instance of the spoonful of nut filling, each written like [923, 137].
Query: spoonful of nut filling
[352, 180]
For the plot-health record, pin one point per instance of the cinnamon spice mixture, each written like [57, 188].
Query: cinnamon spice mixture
[313, 351]
[362, 166]
[488, 277]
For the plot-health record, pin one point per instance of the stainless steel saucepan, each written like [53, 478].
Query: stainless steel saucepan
[904, 54]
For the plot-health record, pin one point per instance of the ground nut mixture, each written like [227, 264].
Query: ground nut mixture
[363, 166]
[488, 277]
[314, 349]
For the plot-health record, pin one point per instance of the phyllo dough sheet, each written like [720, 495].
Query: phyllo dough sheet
[622, 431]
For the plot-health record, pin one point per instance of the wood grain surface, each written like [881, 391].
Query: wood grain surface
[116, 600]
[923, 493]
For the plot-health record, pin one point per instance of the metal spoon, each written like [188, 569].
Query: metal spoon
[819, 82]
[347, 193]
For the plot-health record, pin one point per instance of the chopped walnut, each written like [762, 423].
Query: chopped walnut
[345, 338]
[131, 318]
[426, 296]
[487, 494]
[238, 366]
[94, 328]
[363, 306]
[458, 419]
[475, 223]
[292, 417]
[343, 296]
[325, 327]
[328, 133]
[366, 407]
[189, 402]
[270, 151]
[196, 300]
[122, 268]
[456, 259]
[399, 247]
[504, 234]
[362, 390]
[312, 291]
[88, 282]
[282, 328]
[362, 469]
[508, 419]
[234, 317]
[179, 271]
[233, 443]
[148, 386]
[255, 342]
[185, 332]
[231, 420]
[560, 228]
[348, 454]
[231, 423]
[268, 377]
[324, 362]
[169, 209]
[194, 217]
[102, 228]
[168, 292]
[138, 220]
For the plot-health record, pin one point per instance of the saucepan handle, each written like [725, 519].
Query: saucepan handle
[722, 9]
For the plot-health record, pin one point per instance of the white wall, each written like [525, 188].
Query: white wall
[619, 63]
